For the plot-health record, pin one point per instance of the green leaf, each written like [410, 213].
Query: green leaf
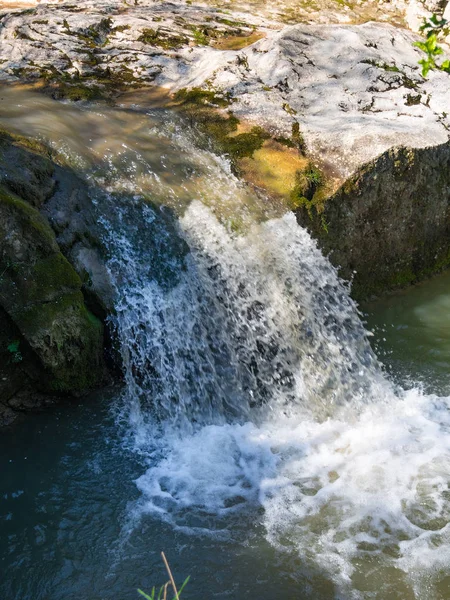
[13, 347]
[431, 43]
[152, 597]
[440, 23]
[177, 596]
[426, 66]
[419, 45]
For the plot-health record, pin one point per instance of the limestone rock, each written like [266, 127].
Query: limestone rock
[355, 90]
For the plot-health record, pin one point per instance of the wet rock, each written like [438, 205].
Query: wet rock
[49, 340]
[24, 173]
[389, 224]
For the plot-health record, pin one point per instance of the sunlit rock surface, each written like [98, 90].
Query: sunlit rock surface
[355, 90]
[351, 90]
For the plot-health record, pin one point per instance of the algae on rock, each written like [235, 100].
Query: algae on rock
[389, 224]
[41, 293]
[51, 343]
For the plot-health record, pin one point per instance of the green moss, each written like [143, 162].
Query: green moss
[381, 65]
[155, 37]
[94, 35]
[29, 217]
[221, 133]
[243, 144]
[199, 97]
[200, 37]
[408, 83]
[120, 28]
[231, 23]
[54, 272]
[24, 142]
[25, 73]
[67, 337]
[285, 142]
[41, 292]
[297, 137]
[122, 76]
[413, 99]
[77, 92]
[306, 192]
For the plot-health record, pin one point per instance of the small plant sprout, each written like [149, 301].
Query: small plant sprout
[13, 349]
[434, 29]
[162, 594]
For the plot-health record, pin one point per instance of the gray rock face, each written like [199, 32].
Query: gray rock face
[389, 224]
[356, 91]
[31, 180]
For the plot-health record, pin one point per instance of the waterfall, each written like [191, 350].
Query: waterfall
[252, 397]
[251, 383]
[250, 323]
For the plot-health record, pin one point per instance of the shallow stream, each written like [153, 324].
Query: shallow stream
[258, 440]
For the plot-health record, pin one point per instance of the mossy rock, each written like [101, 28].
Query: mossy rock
[41, 293]
[388, 225]
[27, 174]
[274, 168]
[162, 39]
[76, 92]
[67, 338]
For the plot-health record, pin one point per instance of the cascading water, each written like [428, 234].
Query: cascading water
[252, 394]
[257, 366]
[250, 323]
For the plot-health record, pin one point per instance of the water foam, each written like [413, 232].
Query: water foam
[366, 502]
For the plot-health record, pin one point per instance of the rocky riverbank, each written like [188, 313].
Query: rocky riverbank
[302, 110]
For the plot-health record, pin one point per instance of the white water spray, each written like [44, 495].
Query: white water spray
[258, 370]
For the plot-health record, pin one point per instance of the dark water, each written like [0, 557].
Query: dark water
[412, 333]
[65, 495]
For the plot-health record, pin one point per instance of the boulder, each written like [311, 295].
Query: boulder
[49, 341]
[388, 225]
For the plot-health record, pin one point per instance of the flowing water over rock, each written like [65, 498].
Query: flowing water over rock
[271, 456]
